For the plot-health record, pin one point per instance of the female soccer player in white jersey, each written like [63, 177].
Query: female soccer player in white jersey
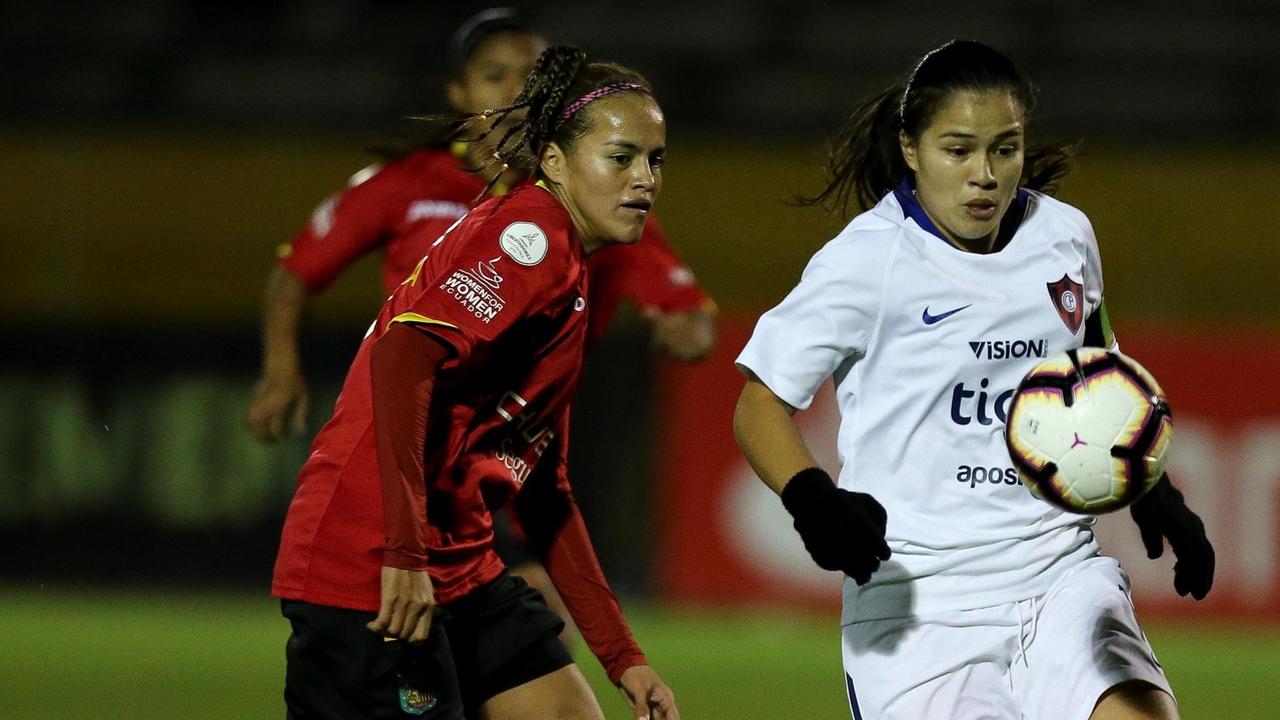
[964, 599]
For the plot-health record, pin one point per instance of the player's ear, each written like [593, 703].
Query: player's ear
[908, 150]
[554, 163]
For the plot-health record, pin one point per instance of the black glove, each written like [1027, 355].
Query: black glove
[1162, 513]
[842, 530]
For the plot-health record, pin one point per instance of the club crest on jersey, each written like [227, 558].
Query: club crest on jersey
[1068, 299]
[524, 242]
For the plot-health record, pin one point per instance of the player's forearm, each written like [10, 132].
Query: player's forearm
[767, 434]
[555, 529]
[403, 366]
[284, 305]
[576, 573]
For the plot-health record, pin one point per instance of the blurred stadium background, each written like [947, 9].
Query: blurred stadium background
[154, 154]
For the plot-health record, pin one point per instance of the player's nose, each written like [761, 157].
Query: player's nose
[643, 175]
[983, 174]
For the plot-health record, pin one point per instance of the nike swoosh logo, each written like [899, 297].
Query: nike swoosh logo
[931, 319]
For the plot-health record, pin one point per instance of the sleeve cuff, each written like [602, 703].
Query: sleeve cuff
[788, 394]
[404, 560]
[621, 664]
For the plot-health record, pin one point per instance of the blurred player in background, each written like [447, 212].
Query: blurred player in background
[961, 600]
[456, 404]
[401, 206]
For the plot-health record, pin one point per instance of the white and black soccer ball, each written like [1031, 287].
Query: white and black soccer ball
[1089, 430]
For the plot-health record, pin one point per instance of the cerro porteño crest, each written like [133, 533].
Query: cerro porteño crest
[1068, 299]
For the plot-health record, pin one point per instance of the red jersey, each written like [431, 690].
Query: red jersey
[406, 204]
[400, 207]
[506, 290]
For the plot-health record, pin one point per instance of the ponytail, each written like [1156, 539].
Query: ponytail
[864, 157]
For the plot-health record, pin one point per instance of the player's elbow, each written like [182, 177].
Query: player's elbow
[754, 405]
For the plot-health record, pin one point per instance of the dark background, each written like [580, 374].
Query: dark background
[154, 153]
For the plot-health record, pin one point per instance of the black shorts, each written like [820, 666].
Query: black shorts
[499, 636]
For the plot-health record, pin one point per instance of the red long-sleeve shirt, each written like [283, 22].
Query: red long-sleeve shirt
[401, 207]
[505, 291]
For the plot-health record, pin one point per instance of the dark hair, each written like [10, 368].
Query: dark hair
[480, 27]
[441, 131]
[865, 157]
[561, 85]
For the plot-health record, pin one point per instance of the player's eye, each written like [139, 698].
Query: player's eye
[1007, 150]
[957, 151]
[621, 158]
[657, 161]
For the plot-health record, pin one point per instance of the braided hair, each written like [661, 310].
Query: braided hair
[548, 109]
[865, 157]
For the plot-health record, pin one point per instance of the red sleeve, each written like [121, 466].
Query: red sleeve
[470, 289]
[346, 226]
[555, 530]
[403, 364]
[650, 275]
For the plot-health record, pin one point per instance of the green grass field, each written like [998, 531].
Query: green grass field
[161, 654]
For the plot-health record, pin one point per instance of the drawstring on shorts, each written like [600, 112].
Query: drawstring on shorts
[1026, 637]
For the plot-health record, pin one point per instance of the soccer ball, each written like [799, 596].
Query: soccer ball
[1089, 430]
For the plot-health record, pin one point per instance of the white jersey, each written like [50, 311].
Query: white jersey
[926, 344]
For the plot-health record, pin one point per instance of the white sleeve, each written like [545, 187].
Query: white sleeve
[1094, 297]
[1092, 266]
[823, 321]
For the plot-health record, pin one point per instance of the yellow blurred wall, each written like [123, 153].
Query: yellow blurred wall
[157, 230]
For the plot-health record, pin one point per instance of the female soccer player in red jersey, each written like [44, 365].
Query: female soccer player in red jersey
[457, 403]
[403, 205]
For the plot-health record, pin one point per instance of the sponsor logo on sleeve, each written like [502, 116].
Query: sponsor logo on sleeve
[322, 218]
[488, 274]
[432, 209]
[476, 290]
[524, 242]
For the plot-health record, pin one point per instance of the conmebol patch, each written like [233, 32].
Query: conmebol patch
[524, 242]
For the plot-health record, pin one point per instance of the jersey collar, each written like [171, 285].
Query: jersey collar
[911, 209]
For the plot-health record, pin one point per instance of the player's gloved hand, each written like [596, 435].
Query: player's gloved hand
[841, 529]
[1162, 513]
